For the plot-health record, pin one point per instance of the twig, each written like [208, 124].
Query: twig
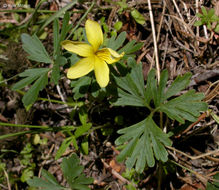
[184, 24]
[116, 174]
[187, 11]
[178, 11]
[197, 28]
[155, 41]
[62, 98]
[208, 157]
[202, 178]
[82, 18]
[204, 76]
[193, 124]
[161, 21]
[47, 156]
[194, 157]
[205, 31]
[7, 178]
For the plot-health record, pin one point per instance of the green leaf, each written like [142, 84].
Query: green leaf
[72, 172]
[161, 88]
[83, 115]
[215, 184]
[32, 94]
[80, 86]
[145, 140]
[118, 25]
[215, 117]
[34, 72]
[211, 13]
[56, 37]
[147, 134]
[139, 18]
[41, 77]
[151, 88]
[116, 43]
[24, 82]
[204, 11]
[26, 174]
[65, 144]
[131, 47]
[49, 177]
[180, 83]
[132, 86]
[55, 76]
[35, 49]
[198, 23]
[57, 15]
[82, 130]
[217, 28]
[49, 183]
[85, 146]
[126, 99]
[66, 27]
[185, 107]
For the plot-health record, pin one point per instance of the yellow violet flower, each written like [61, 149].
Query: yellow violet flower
[93, 58]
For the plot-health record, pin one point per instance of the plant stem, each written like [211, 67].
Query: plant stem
[159, 175]
[72, 104]
[79, 22]
[32, 10]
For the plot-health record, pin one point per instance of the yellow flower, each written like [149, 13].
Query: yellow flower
[93, 58]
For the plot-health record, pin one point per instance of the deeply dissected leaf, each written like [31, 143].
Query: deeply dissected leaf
[33, 46]
[145, 140]
[151, 88]
[72, 172]
[133, 84]
[24, 82]
[185, 107]
[126, 99]
[32, 94]
[180, 83]
[49, 177]
[41, 77]
[47, 184]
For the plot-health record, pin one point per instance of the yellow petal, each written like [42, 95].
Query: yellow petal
[80, 48]
[101, 72]
[109, 55]
[81, 68]
[94, 34]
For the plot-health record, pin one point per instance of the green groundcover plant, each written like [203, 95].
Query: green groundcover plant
[72, 171]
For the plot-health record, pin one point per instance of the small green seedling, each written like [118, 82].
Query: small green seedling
[207, 18]
[73, 173]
